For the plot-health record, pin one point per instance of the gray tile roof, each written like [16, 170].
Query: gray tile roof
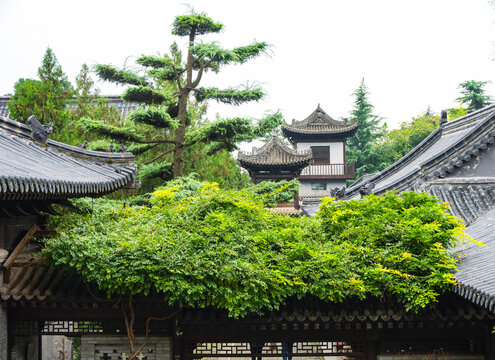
[274, 154]
[30, 170]
[476, 276]
[440, 153]
[319, 122]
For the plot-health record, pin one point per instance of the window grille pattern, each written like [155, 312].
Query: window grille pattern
[78, 328]
[430, 346]
[280, 349]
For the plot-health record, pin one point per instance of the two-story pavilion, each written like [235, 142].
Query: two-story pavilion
[316, 158]
[326, 138]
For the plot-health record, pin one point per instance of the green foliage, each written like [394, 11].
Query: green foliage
[154, 62]
[112, 74]
[473, 95]
[156, 170]
[146, 95]
[98, 145]
[272, 192]
[46, 98]
[268, 123]
[167, 82]
[220, 167]
[154, 116]
[198, 24]
[88, 104]
[226, 134]
[245, 53]
[213, 52]
[359, 146]
[398, 142]
[224, 249]
[115, 132]
[400, 241]
[230, 96]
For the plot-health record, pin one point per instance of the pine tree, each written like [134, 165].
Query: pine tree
[164, 88]
[46, 98]
[88, 102]
[359, 147]
[473, 95]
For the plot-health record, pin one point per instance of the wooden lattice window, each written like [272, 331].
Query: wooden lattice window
[321, 154]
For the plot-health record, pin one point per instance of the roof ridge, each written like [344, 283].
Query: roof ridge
[24, 131]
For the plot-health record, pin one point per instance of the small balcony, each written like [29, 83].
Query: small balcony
[329, 171]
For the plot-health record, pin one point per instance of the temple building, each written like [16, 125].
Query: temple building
[326, 138]
[316, 158]
[274, 161]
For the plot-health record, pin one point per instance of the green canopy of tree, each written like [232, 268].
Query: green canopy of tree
[164, 86]
[46, 98]
[212, 247]
[473, 95]
[359, 146]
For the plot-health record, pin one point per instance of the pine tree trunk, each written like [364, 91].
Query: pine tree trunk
[179, 137]
[183, 97]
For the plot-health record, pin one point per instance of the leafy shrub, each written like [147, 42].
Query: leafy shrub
[221, 248]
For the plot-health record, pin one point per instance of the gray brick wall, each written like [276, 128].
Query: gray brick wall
[94, 347]
[3, 334]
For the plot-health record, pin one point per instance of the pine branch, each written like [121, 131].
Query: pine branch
[119, 133]
[146, 94]
[154, 62]
[138, 149]
[160, 169]
[229, 96]
[245, 53]
[214, 53]
[154, 116]
[166, 74]
[112, 74]
[159, 156]
[198, 23]
[267, 124]
[222, 130]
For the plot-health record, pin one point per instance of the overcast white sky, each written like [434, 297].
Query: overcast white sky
[411, 53]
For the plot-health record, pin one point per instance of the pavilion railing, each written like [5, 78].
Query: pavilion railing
[329, 170]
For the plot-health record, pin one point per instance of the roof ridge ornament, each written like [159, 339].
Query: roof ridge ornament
[39, 132]
[443, 118]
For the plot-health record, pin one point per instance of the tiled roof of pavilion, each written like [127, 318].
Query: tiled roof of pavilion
[274, 154]
[319, 123]
[36, 170]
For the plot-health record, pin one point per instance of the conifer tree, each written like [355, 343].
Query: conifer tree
[164, 88]
[359, 146]
[473, 95]
[46, 98]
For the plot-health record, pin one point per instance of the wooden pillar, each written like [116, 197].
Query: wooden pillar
[371, 345]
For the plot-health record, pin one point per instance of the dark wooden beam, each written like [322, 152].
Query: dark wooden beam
[15, 253]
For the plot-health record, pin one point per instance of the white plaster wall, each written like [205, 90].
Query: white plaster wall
[336, 150]
[162, 346]
[56, 347]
